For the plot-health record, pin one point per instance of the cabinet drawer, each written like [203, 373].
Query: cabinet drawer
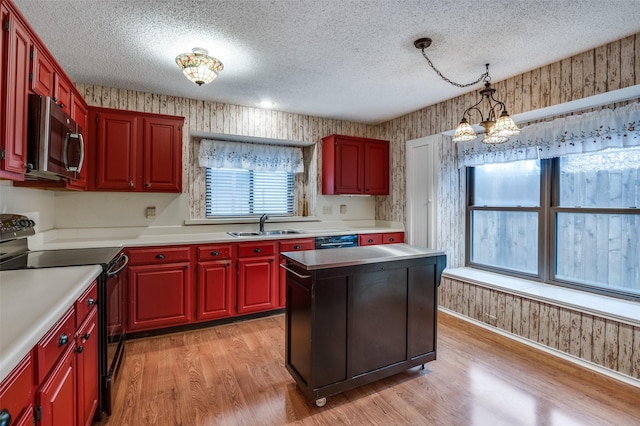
[153, 255]
[87, 301]
[294, 245]
[369, 239]
[392, 237]
[214, 252]
[16, 391]
[259, 248]
[54, 343]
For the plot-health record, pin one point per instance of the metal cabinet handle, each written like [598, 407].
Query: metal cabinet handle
[391, 240]
[63, 340]
[5, 417]
[370, 240]
[79, 349]
[131, 185]
[91, 301]
[86, 336]
[304, 277]
[215, 253]
[296, 247]
[257, 250]
[160, 256]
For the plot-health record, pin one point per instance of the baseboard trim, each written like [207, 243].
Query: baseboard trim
[568, 357]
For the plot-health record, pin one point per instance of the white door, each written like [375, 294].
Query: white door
[421, 191]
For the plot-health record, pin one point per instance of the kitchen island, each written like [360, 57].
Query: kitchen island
[356, 315]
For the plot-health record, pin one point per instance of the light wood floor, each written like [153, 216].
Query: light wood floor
[234, 374]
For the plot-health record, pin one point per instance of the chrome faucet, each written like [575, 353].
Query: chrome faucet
[263, 218]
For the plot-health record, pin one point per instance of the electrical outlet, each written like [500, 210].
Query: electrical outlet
[151, 212]
[343, 208]
[327, 210]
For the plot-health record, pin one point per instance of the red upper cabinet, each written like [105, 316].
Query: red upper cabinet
[352, 165]
[162, 154]
[16, 45]
[135, 151]
[42, 79]
[113, 135]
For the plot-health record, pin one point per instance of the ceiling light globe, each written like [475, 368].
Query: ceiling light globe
[198, 66]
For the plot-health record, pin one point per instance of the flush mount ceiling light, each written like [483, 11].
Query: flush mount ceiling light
[198, 66]
[497, 129]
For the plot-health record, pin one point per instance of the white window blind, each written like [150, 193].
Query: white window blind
[238, 192]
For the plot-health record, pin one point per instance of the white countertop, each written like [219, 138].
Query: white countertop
[31, 301]
[352, 256]
[139, 237]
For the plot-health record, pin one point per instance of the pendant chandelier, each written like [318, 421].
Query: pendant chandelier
[198, 66]
[498, 126]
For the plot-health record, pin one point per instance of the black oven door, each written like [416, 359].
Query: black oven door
[113, 328]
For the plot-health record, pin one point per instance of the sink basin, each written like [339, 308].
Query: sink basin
[266, 233]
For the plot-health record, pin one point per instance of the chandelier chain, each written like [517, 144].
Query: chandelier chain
[484, 77]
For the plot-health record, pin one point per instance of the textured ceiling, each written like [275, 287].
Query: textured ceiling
[344, 59]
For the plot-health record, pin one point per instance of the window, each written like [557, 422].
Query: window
[238, 192]
[571, 221]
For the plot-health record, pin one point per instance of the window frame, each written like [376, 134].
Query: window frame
[548, 211]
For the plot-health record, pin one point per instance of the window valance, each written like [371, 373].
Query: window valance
[575, 134]
[250, 156]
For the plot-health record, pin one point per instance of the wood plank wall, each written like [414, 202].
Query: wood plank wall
[609, 67]
[602, 341]
[613, 66]
[204, 116]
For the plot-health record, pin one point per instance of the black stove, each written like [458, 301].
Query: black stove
[56, 258]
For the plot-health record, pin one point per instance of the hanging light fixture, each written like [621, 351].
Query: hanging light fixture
[497, 129]
[198, 66]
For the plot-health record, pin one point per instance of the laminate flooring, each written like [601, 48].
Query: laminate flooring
[234, 374]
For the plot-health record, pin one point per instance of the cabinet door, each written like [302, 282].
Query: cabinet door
[63, 93]
[159, 296]
[349, 167]
[42, 74]
[16, 391]
[215, 290]
[87, 368]
[256, 284]
[376, 168]
[114, 150]
[14, 94]
[162, 154]
[57, 396]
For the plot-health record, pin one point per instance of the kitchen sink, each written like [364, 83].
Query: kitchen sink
[265, 233]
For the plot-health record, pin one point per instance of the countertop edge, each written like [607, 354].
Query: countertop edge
[11, 353]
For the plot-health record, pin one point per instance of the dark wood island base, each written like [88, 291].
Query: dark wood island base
[357, 315]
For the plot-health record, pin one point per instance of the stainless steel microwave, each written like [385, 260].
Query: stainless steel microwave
[55, 148]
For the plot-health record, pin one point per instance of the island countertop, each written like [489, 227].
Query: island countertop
[362, 255]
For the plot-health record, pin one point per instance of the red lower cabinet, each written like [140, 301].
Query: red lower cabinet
[290, 245]
[56, 399]
[16, 393]
[159, 296]
[87, 368]
[215, 290]
[257, 277]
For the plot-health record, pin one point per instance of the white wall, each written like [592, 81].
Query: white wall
[36, 204]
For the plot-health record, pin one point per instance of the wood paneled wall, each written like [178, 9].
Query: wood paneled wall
[602, 341]
[203, 116]
[612, 66]
[605, 68]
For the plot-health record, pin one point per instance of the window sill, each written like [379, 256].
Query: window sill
[607, 307]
